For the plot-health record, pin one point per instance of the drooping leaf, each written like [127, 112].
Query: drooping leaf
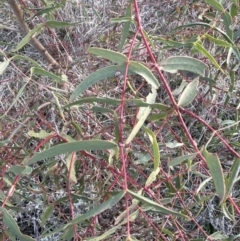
[41, 135]
[152, 177]
[121, 20]
[233, 175]
[71, 147]
[142, 115]
[173, 145]
[111, 55]
[20, 170]
[174, 64]
[4, 65]
[95, 77]
[155, 206]
[46, 214]
[216, 171]
[189, 93]
[215, 4]
[15, 99]
[143, 71]
[43, 72]
[204, 52]
[178, 160]
[218, 41]
[156, 151]
[59, 24]
[70, 162]
[126, 27]
[99, 209]
[111, 101]
[33, 62]
[11, 224]
[227, 20]
[33, 33]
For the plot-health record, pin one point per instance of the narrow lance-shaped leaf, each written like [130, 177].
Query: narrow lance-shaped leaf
[174, 64]
[142, 115]
[111, 55]
[204, 52]
[152, 177]
[189, 93]
[99, 209]
[178, 160]
[126, 27]
[15, 99]
[11, 224]
[4, 65]
[215, 4]
[218, 41]
[59, 24]
[233, 174]
[155, 206]
[71, 147]
[95, 77]
[33, 33]
[111, 101]
[143, 71]
[156, 151]
[205, 25]
[43, 72]
[216, 171]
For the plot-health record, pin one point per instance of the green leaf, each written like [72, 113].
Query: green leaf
[204, 52]
[10, 223]
[105, 235]
[142, 115]
[156, 151]
[155, 206]
[33, 33]
[217, 41]
[189, 93]
[26, 58]
[179, 160]
[152, 177]
[218, 236]
[111, 55]
[174, 64]
[121, 20]
[233, 175]
[143, 71]
[46, 214]
[71, 147]
[95, 77]
[15, 100]
[20, 170]
[216, 171]
[99, 209]
[137, 102]
[126, 27]
[215, 4]
[70, 162]
[68, 234]
[234, 9]
[160, 116]
[43, 72]
[49, 10]
[205, 25]
[227, 19]
[41, 135]
[59, 24]
[4, 65]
